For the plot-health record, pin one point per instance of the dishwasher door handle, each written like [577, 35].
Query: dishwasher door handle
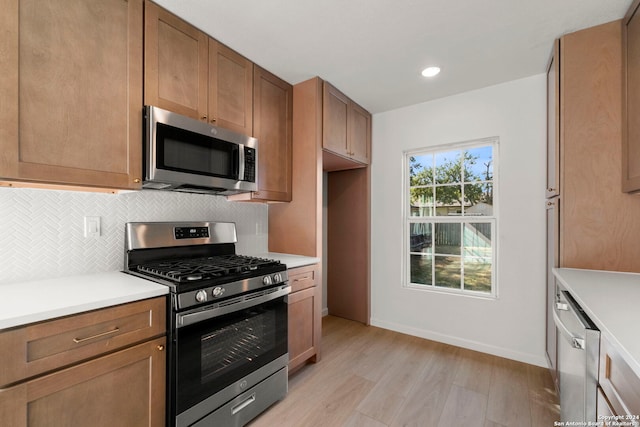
[576, 342]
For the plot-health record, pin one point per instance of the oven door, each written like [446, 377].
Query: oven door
[223, 351]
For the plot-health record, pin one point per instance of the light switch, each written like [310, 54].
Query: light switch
[92, 226]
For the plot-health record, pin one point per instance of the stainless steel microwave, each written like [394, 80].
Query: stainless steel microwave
[184, 154]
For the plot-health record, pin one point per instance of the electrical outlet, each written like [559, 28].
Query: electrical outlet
[92, 226]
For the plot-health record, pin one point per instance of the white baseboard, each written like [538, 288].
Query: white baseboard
[325, 312]
[462, 342]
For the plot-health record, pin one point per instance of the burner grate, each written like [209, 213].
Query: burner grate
[194, 269]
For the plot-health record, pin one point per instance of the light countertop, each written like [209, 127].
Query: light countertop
[34, 301]
[612, 302]
[291, 261]
[39, 300]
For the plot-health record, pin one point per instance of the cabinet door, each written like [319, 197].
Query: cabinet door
[126, 388]
[335, 112]
[604, 411]
[230, 89]
[631, 101]
[301, 326]
[273, 115]
[359, 133]
[553, 123]
[71, 90]
[553, 242]
[305, 317]
[175, 64]
[618, 381]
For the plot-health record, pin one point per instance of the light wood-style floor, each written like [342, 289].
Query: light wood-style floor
[374, 377]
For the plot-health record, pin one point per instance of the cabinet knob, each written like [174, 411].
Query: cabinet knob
[213, 120]
[160, 347]
[137, 180]
[203, 118]
[550, 203]
[551, 190]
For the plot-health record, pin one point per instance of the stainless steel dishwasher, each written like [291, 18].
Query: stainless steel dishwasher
[578, 354]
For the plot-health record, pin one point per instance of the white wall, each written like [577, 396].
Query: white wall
[513, 325]
[41, 231]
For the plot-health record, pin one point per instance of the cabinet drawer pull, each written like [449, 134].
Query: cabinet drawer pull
[304, 278]
[81, 340]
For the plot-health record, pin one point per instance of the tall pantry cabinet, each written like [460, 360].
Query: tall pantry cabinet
[327, 126]
[597, 225]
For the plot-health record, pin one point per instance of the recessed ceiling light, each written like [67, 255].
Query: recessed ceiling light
[430, 71]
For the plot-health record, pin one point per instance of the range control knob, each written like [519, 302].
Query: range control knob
[277, 278]
[266, 280]
[217, 291]
[201, 296]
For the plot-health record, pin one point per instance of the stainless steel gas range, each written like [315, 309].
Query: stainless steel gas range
[227, 358]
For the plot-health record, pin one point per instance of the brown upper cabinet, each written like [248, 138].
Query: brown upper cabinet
[272, 126]
[346, 131]
[602, 235]
[189, 73]
[631, 99]
[71, 90]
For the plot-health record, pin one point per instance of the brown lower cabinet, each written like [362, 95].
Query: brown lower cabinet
[125, 388]
[305, 316]
[619, 388]
[100, 368]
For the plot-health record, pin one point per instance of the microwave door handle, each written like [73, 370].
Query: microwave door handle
[236, 153]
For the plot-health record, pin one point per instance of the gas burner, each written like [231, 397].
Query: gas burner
[204, 268]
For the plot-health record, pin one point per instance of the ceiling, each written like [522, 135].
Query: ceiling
[374, 50]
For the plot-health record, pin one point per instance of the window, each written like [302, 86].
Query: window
[450, 220]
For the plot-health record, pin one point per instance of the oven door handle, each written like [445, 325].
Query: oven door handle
[191, 318]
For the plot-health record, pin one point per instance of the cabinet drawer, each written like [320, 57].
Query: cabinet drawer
[303, 277]
[604, 411]
[41, 347]
[619, 383]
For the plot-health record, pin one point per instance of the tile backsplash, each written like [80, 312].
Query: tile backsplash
[42, 231]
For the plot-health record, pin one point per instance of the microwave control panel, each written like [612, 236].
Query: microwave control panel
[249, 164]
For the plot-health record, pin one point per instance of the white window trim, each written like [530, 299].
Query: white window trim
[407, 219]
